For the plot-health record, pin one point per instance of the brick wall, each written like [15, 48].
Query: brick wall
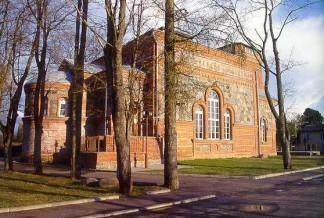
[54, 126]
[100, 152]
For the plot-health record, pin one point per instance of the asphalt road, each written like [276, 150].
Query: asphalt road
[283, 196]
[286, 196]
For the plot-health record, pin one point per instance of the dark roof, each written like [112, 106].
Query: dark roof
[89, 67]
[54, 75]
[312, 128]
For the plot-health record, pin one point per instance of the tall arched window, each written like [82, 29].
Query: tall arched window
[213, 115]
[263, 125]
[45, 106]
[199, 117]
[63, 108]
[227, 125]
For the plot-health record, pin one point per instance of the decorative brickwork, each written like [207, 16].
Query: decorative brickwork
[231, 72]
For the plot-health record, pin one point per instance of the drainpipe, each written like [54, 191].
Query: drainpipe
[258, 114]
[106, 101]
[155, 88]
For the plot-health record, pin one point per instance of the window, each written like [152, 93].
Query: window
[213, 115]
[227, 125]
[263, 130]
[62, 108]
[199, 116]
[46, 106]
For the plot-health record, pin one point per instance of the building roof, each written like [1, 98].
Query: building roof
[63, 74]
[93, 67]
[53, 75]
[312, 128]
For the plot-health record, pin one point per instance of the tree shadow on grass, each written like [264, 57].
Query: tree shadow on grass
[24, 191]
[68, 186]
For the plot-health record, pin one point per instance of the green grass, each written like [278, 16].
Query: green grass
[246, 166]
[21, 189]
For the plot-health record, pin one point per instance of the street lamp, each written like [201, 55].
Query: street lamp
[146, 115]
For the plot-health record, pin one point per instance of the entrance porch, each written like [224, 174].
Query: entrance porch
[99, 152]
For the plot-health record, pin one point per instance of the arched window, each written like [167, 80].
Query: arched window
[263, 125]
[227, 125]
[199, 117]
[213, 115]
[63, 108]
[45, 106]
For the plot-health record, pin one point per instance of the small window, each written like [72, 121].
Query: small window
[263, 130]
[227, 125]
[63, 108]
[199, 117]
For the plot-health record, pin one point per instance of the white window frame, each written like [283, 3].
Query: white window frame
[227, 125]
[213, 116]
[62, 101]
[263, 125]
[199, 119]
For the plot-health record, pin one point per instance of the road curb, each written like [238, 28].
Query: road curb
[286, 173]
[313, 177]
[151, 207]
[56, 204]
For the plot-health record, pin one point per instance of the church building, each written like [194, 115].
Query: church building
[222, 110]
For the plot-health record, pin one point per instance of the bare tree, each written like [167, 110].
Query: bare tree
[170, 152]
[77, 86]
[48, 15]
[116, 28]
[271, 62]
[14, 42]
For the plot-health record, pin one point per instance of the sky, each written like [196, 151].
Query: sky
[304, 40]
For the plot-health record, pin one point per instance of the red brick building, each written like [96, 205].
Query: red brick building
[221, 111]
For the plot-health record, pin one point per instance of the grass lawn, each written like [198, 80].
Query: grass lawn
[246, 166]
[21, 189]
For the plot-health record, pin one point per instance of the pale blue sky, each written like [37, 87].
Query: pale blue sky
[305, 40]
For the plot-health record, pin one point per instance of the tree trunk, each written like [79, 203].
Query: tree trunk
[281, 119]
[8, 164]
[170, 151]
[117, 95]
[119, 119]
[39, 95]
[116, 92]
[39, 103]
[37, 158]
[77, 88]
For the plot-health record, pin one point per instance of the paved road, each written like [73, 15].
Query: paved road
[284, 196]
